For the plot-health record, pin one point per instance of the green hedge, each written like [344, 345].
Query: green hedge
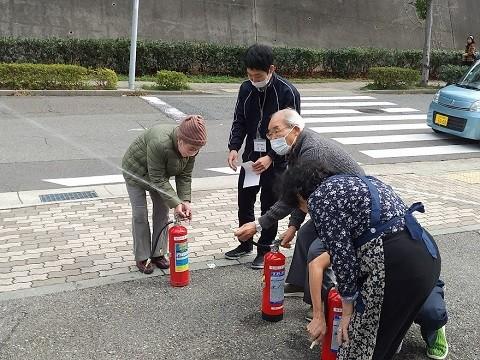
[55, 77]
[393, 77]
[212, 59]
[451, 73]
[171, 80]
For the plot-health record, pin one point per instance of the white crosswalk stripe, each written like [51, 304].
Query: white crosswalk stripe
[365, 128]
[399, 110]
[347, 104]
[421, 151]
[333, 98]
[361, 118]
[356, 140]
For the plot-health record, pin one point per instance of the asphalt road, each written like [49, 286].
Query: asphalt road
[68, 137]
[216, 317]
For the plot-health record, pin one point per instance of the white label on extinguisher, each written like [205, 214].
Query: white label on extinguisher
[277, 277]
[336, 323]
[180, 238]
[181, 257]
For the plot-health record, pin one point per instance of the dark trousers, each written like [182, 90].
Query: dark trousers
[433, 314]
[246, 203]
[410, 276]
[297, 275]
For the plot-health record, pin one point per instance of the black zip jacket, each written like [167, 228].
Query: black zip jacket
[253, 105]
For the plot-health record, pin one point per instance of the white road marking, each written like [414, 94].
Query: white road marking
[87, 180]
[399, 110]
[225, 170]
[347, 104]
[365, 128]
[421, 151]
[332, 98]
[169, 110]
[335, 111]
[389, 139]
[361, 118]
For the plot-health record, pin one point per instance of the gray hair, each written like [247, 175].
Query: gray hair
[293, 118]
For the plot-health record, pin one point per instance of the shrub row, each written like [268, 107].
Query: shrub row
[55, 76]
[452, 73]
[213, 59]
[393, 77]
[171, 80]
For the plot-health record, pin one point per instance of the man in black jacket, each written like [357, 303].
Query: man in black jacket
[258, 99]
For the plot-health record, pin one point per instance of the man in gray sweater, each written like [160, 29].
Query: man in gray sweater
[288, 137]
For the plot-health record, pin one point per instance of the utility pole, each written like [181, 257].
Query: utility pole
[133, 46]
[427, 44]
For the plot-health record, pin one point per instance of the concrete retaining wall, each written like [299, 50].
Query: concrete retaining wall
[303, 23]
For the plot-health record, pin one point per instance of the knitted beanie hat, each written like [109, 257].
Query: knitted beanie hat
[192, 130]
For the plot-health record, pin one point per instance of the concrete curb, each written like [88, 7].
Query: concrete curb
[13, 200]
[119, 92]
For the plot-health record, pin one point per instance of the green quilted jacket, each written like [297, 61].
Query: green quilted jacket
[153, 158]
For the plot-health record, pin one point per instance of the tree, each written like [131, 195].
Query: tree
[424, 10]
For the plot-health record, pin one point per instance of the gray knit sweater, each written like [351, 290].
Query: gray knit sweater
[311, 146]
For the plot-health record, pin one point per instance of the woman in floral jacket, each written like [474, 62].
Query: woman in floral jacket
[385, 263]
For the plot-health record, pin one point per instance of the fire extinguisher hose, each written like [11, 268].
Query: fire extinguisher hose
[275, 245]
[155, 241]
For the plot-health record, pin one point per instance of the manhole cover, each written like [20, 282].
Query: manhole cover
[68, 196]
[371, 111]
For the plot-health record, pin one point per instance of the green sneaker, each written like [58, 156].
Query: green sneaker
[439, 350]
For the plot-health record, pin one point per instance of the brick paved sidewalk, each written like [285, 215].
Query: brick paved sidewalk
[69, 243]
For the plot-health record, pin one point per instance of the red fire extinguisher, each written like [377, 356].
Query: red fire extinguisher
[333, 316]
[178, 249]
[273, 282]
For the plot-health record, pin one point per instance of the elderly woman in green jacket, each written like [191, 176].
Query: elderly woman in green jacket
[151, 160]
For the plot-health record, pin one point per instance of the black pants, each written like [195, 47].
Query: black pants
[246, 203]
[410, 275]
[433, 314]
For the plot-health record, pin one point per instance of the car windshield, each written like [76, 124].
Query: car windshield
[471, 80]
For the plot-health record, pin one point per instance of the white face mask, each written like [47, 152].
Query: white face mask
[262, 84]
[280, 145]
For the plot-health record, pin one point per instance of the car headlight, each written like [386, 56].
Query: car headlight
[475, 106]
[436, 97]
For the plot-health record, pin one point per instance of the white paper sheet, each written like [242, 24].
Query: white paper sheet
[251, 179]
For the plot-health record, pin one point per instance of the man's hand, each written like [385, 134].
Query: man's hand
[233, 159]
[262, 164]
[183, 211]
[317, 328]
[288, 236]
[246, 231]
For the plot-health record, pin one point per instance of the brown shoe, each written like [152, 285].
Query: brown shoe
[161, 262]
[141, 265]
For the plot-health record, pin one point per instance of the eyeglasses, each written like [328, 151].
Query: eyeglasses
[275, 132]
